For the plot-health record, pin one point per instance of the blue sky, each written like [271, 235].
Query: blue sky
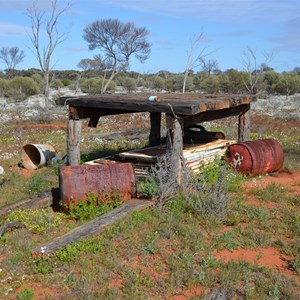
[229, 26]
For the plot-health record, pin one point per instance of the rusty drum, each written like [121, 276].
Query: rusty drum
[76, 181]
[256, 157]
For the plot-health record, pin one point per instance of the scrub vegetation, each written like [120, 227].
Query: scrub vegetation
[231, 237]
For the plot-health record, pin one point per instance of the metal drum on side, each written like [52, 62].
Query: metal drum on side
[256, 157]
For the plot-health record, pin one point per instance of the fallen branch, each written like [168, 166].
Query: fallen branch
[10, 225]
[93, 227]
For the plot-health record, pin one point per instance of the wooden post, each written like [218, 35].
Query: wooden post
[154, 137]
[177, 150]
[244, 126]
[73, 141]
[170, 125]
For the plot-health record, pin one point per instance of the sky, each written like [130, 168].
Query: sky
[228, 27]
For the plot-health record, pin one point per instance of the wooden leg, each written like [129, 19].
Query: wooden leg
[177, 150]
[244, 126]
[73, 142]
[170, 125]
[154, 137]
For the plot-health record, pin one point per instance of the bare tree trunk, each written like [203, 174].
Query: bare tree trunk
[186, 73]
[47, 91]
[112, 76]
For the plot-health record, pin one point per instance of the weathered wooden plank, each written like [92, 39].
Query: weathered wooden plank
[44, 199]
[215, 115]
[180, 104]
[93, 227]
[189, 150]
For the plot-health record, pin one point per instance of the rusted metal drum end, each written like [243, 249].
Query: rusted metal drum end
[256, 157]
[77, 181]
[35, 156]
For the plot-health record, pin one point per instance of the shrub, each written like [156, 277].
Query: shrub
[129, 84]
[66, 81]
[56, 84]
[36, 220]
[149, 187]
[39, 81]
[94, 86]
[210, 85]
[19, 88]
[157, 83]
[208, 192]
[95, 205]
[3, 87]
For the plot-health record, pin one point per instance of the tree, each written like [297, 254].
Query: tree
[96, 64]
[194, 59]
[287, 84]
[118, 42]
[11, 57]
[254, 71]
[209, 66]
[52, 38]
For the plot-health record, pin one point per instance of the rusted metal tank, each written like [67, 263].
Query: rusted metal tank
[256, 157]
[35, 156]
[76, 181]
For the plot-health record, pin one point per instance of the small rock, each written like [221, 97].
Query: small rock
[1, 170]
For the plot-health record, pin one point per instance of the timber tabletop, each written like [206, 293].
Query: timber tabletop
[179, 104]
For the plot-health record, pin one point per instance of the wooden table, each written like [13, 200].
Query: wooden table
[186, 109]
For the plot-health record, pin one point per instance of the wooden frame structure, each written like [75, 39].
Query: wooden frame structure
[185, 109]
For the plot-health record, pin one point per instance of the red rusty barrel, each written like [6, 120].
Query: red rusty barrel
[76, 181]
[255, 157]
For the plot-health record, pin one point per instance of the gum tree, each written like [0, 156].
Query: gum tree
[45, 36]
[11, 57]
[117, 42]
[196, 55]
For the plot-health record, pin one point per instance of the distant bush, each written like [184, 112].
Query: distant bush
[39, 81]
[210, 85]
[66, 81]
[3, 87]
[56, 84]
[157, 83]
[19, 88]
[288, 84]
[93, 86]
[129, 84]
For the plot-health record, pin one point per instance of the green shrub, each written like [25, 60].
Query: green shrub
[66, 81]
[149, 187]
[36, 220]
[210, 85]
[3, 87]
[39, 81]
[19, 88]
[157, 83]
[208, 192]
[95, 205]
[129, 84]
[56, 84]
[93, 86]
